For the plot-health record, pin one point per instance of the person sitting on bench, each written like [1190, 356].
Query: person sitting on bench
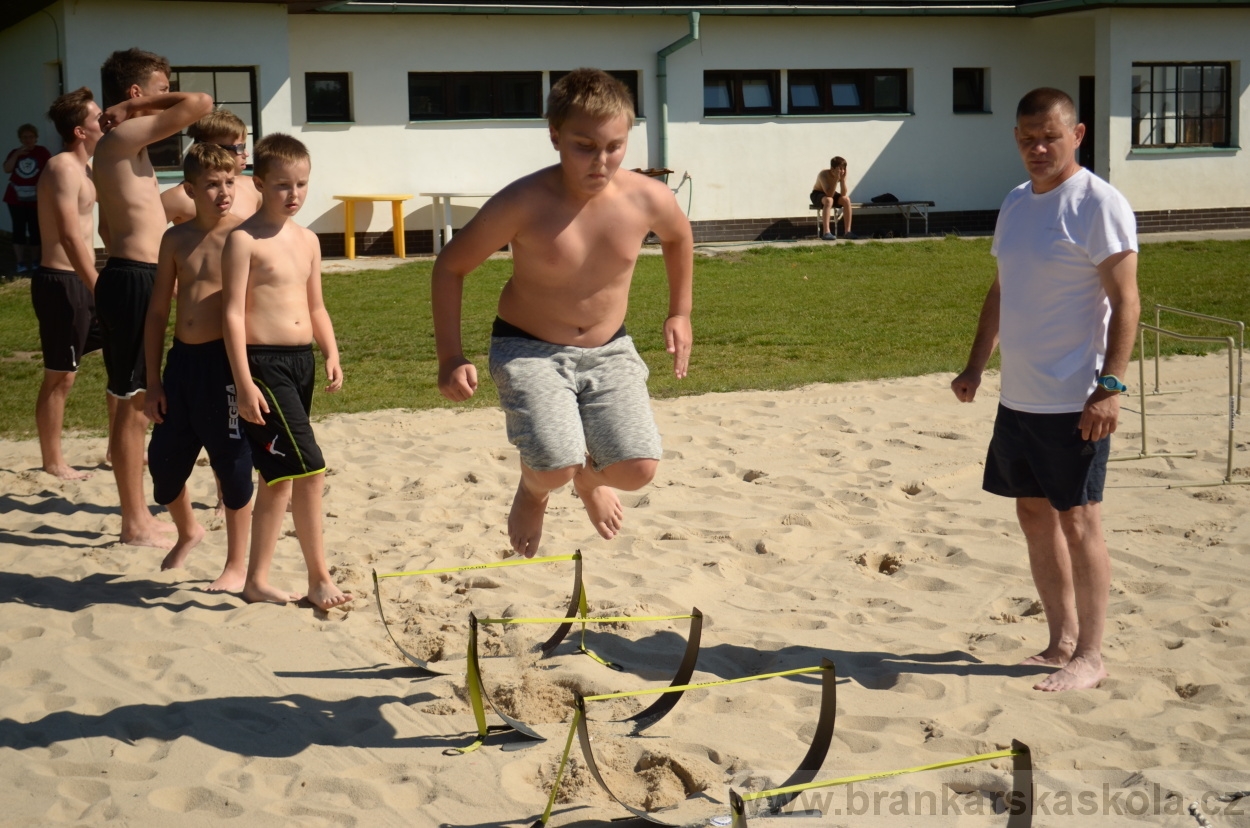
[830, 191]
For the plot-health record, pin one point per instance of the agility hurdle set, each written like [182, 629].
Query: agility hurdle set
[740, 806]
[1235, 346]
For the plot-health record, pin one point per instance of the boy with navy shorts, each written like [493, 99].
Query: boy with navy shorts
[570, 381]
[274, 310]
[194, 405]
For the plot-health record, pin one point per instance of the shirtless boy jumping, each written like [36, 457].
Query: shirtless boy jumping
[141, 111]
[194, 407]
[571, 384]
[273, 312]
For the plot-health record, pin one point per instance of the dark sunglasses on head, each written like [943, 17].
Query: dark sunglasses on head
[237, 149]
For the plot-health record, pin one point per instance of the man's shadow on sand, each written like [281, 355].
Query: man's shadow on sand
[51, 592]
[277, 727]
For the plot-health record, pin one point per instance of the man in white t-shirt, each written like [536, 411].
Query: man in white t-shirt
[1063, 309]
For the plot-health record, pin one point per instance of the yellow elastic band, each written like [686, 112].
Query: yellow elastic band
[594, 619]
[863, 777]
[684, 687]
[494, 565]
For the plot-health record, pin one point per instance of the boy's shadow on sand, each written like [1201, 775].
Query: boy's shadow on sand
[51, 592]
[52, 503]
[278, 727]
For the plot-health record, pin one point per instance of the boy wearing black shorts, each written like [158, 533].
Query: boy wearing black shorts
[61, 288]
[194, 406]
[273, 309]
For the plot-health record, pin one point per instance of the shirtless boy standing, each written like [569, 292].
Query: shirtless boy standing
[194, 407]
[570, 382]
[62, 287]
[225, 129]
[141, 111]
[273, 312]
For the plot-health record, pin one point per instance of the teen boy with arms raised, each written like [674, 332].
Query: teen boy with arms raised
[62, 287]
[570, 382]
[227, 130]
[141, 111]
[1065, 304]
[273, 312]
[194, 407]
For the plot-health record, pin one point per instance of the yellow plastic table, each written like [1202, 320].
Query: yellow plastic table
[349, 220]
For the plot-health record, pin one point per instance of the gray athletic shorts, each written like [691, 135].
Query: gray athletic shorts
[563, 403]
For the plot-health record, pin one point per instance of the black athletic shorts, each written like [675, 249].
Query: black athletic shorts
[1043, 455]
[284, 448]
[200, 412]
[66, 313]
[122, 294]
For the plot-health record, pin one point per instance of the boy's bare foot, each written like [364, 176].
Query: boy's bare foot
[602, 505]
[219, 509]
[182, 548]
[66, 472]
[153, 534]
[525, 521]
[231, 579]
[1047, 658]
[327, 595]
[255, 595]
[1081, 673]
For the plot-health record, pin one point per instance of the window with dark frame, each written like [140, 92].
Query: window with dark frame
[445, 96]
[754, 92]
[968, 90]
[629, 77]
[1182, 105]
[327, 97]
[232, 88]
[846, 91]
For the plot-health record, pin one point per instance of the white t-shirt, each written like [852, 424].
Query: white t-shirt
[1054, 311]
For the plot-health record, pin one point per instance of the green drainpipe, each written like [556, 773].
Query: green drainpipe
[661, 77]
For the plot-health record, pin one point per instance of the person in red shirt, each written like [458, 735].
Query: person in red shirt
[24, 165]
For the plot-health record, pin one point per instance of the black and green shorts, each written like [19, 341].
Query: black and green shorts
[284, 448]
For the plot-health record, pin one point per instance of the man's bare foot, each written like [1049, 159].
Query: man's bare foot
[153, 534]
[231, 579]
[327, 595]
[602, 505]
[66, 472]
[1081, 673]
[525, 521]
[255, 595]
[1047, 658]
[178, 555]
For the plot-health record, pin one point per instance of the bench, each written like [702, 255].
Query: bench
[907, 209]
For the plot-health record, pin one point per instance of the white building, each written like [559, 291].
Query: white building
[412, 97]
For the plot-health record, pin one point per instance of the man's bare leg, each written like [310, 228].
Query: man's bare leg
[529, 506]
[111, 403]
[139, 527]
[234, 575]
[597, 491]
[50, 420]
[1052, 575]
[190, 532]
[1090, 567]
[267, 519]
[826, 211]
[306, 509]
[846, 215]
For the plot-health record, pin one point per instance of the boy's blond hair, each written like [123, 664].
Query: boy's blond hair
[277, 148]
[206, 158]
[220, 123]
[591, 91]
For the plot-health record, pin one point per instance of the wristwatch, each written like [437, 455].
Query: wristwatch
[1109, 382]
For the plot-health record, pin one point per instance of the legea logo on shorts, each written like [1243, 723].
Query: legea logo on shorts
[232, 403]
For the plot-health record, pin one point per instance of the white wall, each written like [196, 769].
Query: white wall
[1178, 179]
[28, 63]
